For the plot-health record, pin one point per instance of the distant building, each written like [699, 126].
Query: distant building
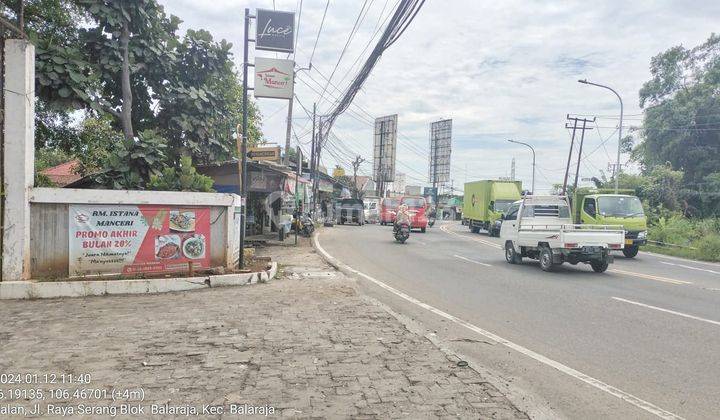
[413, 190]
[398, 185]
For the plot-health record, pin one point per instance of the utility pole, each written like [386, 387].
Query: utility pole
[356, 165]
[288, 129]
[512, 170]
[318, 147]
[298, 201]
[572, 144]
[575, 127]
[312, 156]
[582, 139]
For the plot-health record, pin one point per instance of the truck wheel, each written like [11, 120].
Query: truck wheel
[631, 252]
[510, 255]
[599, 266]
[546, 259]
[422, 230]
[474, 229]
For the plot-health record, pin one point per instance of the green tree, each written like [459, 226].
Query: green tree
[132, 162]
[202, 102]
[662, 187]
[681, 112]
[124, 58]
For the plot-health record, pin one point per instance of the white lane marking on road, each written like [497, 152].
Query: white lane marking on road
[650, 277]
[690, 267]
[628, 273]
[484, 242]
[697, 318]
[629, 398]
[668, 257]
[472, 261]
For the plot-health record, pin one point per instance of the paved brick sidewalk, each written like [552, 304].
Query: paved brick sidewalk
[305, 344]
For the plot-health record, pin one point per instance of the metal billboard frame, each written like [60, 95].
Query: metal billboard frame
[440, 150]
[384, 148]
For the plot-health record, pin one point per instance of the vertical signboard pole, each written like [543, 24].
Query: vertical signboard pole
[298, 202]
[243, 151]
[381, 188]
[433, 164]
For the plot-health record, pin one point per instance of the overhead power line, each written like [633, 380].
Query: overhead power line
[322, 22]
[358, 21]
[404, 15]
[297, 34]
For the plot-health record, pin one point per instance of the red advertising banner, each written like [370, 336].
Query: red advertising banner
[138, 239]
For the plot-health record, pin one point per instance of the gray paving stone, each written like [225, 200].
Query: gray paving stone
[310, 347]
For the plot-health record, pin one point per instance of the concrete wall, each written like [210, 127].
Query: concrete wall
[49, 242]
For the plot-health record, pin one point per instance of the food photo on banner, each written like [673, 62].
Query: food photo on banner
[106, 239]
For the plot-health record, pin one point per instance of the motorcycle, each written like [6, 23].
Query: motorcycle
[401, 232]
[431, 221]
[304, 225]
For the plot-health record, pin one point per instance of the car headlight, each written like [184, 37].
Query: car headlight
[642, 234]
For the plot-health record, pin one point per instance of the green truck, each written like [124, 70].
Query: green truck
[485, 202]
[604, 207]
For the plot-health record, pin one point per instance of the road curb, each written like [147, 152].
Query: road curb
[522, 400]
[83, 288]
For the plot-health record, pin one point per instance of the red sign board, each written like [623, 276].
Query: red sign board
[138, 239]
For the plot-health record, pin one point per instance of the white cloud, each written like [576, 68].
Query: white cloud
[501, 70]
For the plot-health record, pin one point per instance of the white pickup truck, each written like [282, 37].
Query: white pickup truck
[540, 227]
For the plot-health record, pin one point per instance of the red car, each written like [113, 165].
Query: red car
[388, 208]
[416, 207]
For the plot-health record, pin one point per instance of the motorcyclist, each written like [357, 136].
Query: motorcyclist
[402, 216]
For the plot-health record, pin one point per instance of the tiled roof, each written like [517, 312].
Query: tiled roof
[64, 173]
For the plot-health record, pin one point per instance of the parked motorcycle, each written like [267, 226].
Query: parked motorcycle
[304, 225]
[401, 231]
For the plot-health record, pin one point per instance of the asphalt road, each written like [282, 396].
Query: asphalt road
[639, 341]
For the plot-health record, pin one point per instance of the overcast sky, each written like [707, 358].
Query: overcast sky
[500, 70]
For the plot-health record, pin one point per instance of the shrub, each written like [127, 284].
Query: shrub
[676, 230]
[186, 179]
[708, 248]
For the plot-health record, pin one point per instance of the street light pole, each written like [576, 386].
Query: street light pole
[532, 191]
[620, 127]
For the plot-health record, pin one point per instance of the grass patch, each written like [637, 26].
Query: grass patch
[697, 239]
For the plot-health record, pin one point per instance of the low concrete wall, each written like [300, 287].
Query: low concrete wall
[49, 227]
[84, 288]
